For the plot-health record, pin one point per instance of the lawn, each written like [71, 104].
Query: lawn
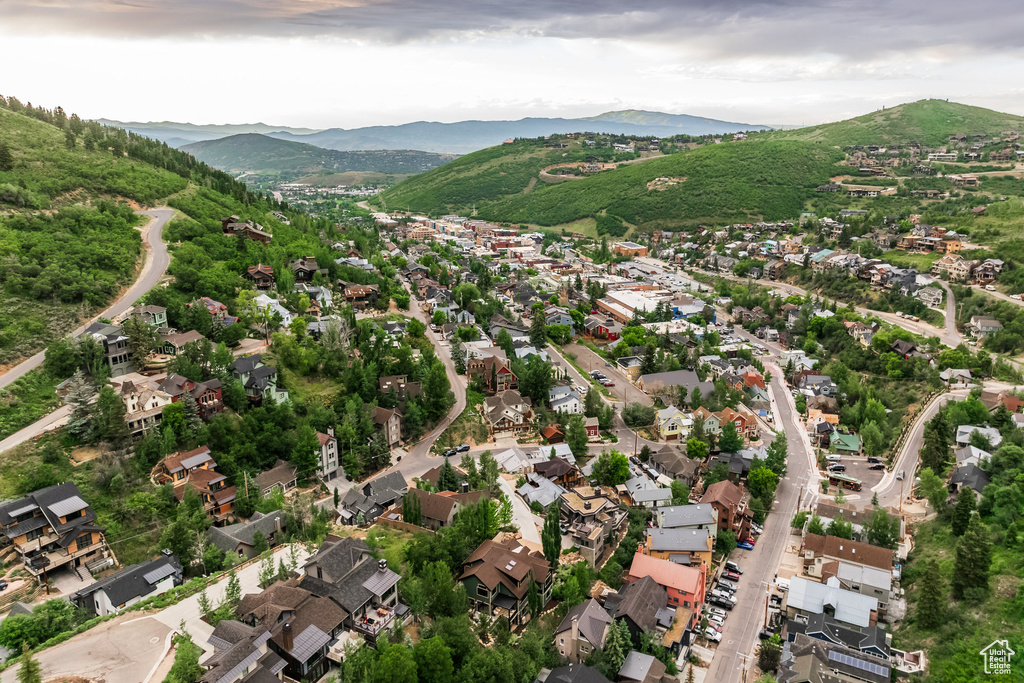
[923, 262]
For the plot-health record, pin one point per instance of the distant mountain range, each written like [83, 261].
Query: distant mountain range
[461, 137]
[252, 152]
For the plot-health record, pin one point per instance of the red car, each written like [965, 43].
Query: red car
[749, 540]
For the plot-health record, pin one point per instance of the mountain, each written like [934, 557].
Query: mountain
[251, 152]
[928, 122]
[737, 181]
[178, 134]
[450, 138]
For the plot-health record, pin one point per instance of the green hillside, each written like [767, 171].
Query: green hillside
[252, 152]
[928, 122]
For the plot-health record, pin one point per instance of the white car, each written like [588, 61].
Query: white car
[712, 634]
[716, 612]
[716, 619]
[1015, 297]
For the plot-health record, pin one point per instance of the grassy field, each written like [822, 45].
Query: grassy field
[923, 262]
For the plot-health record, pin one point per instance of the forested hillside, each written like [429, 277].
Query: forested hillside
[289, 160]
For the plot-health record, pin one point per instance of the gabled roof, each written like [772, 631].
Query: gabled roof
[136, 581]
[724, 493]
[848, 607]
[228, 538]
[681, 540]
[593, 621]
[971, 476]
[434, 506]
[848, 551]
[640, 601]
[507, 564]
[666, 573]
[687, 515]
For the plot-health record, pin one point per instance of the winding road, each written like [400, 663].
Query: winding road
[152, 270]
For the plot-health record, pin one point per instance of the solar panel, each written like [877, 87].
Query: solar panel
[861, 664]
[161, 572]
[68, 505]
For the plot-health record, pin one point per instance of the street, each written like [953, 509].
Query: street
[152, 270]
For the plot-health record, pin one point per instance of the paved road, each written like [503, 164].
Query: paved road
[623, 389]
[952, 338]
[889, 490]
[739, 634]
[152, 270]
[48, 423]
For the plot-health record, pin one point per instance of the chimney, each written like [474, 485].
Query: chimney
[330, 431]
[382, 565]
[575, 629]
[586, 505]
[286, 632]
[597, 491]
[465, 487]
[277, 524]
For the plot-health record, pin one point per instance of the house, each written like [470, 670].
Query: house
[983, 326]
[702, 516]
[119, 590]
[499, 322]
[956, 377]
[247, 230]
[669, 383]
[812, 660]
[672, 462]
[631, 249]
[559, 471]
[196, 469]
[389, 422]
[873, 640]
[305, 268]
[329, 458]
[401, 386]
[806, 598]
[684, 585]
[216, 309]
[143, 405]
[552, 434]
[363, 504]
[870, 581]
[993, 400]
[971, 477]
[964, 433]
[52, 528]
[630, 366]
[572, 673]
[683, 546]
[643, 493]
[582, 631]
[539, 489]
[233, 644]
[174, 343]
[436, 509]
[602, 328]
[641, 668]
[712, 422]
[730, 502]
[903, 348]
[281, 477]
[240, 539]
[593, 428]
[820, 551]
[507, 411]
[209, 395]
[360, 297]
[493, 370]
[845, 442]
[565, 399]
[260, 275]
[819, 385]
[672, 424]
[591, 513]
[497, 579]
[969, 455]
[638, 603]
[154, 316]
[258, 379]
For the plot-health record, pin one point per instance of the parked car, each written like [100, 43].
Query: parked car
[990, 288]
[3, 584]
[901, 475]
[879, 466]
[716, 612]
[874, 458]
[716, 619]
[733, 567]
[744, 545]
[1015, 297]
[765, 634]
[723, 604]
[712, 634]
[563, 529]
[726, 586]
[609, 384]
[450, 452]
[835, 467]
[464, 448]
[732, 576]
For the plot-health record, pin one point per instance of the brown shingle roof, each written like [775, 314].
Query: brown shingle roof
[432, 505]
[492, 564]
[724, 492]
[849, 551]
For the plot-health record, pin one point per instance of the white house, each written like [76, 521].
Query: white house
[118, 591]
[263, 301]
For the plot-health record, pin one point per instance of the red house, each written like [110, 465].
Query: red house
[593, 428]
[684, 584]
[209, 395]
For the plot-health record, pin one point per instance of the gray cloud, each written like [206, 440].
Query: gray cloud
[719, 30]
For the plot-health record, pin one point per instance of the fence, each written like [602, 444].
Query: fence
[897, 446]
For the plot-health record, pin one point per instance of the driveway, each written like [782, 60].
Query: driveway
[521, 513]
[152, 270]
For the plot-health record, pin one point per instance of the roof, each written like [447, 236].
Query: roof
[554, 467]
[593, 620]
[666, 573]
[831, 660]
[187, 459]
[228, 538]
[338, 558]
[856, 573]
[971, 476]
[640, 602]
[724, 493]
[849, 607]
[135, 581]
[687, 515]
[848, 551]
[505, 563]
[281, 473]
[638, 666]
[680, 540]
[434, 506]
[574, 673]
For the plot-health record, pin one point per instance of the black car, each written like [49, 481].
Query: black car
[877, 467]
[464, 448]
[874, 458]
[724, 604]
[450, 452]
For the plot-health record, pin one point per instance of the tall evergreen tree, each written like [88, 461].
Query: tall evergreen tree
[79, 393]
[447, 478]
[931, 598]
[30, 671]
[551, 536]
[973, 560]
[576, 436]
[965, 504]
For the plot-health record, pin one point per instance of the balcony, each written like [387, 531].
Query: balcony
[57, 557]
[374, 620]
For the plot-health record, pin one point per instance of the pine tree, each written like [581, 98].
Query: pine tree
[551, 535]
[447, 478]
[576, 436]
[205, 608]
[459, 357]
[963, 511]
[533, 599]
[538, 329]
[267, 574]
[79, 393]
[232, 593]
[931, 599]
[192, 420]
[973, 559]
[30, 671]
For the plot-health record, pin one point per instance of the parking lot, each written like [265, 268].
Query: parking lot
[858, 467]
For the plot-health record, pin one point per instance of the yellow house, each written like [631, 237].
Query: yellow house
[672, 424]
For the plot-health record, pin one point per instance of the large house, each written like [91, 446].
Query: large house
[364, 504]
[672, 424]
[122, 589]
[258, 379]
[730, 503]
[812, 659]
[52, 528]
[493, 371]
[115, 347]
[439, 509]
[260, 275]
[143, 406]
[582, 631]
[389, 422]
[328, 468]
[507, 412]
[684, 585]
[240, 538]
[805, 598]
[196, 469]
[685, 546]
[209, 395]
[497, 578]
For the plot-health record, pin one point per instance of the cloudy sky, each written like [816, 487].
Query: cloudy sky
[349, 63]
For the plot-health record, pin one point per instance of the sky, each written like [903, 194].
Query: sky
[351, 63]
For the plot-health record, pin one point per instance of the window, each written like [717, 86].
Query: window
[561, 641]
[482, 590]
[584, 649]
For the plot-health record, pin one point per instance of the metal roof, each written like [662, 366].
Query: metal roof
[65, 507]
[196, 460]
[308, 642]
[380, 581]
[22, 510]
[161, 572]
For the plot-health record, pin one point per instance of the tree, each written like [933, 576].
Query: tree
[459, 357]
[534, 601]
[411, 511]
[931, 597]
[883, 529]
[680, 493]
[504, 342]
[725, 542]
[551, 535]
[79, 393]
[111, 423]
[576, 436]
[729, 441]
[396, 664]
[874, 441]
[778, 451]
[799, 519]
[973, 559]
[696, 449]
[437, 391]
[447, 478]
[617, 645]
[538, 328]
[935, 447]
[933, 488]
[840, 528]
[267, 575]
[186, 668]
[306, 453]
[815, 526]
[30, 671]
[762, 482]
[611, 468]
[965, 504]
[259, 543]
[434, 661]
[232, 593]
[489, 471]
[638, 415]
[769, 653]
[6, 158]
